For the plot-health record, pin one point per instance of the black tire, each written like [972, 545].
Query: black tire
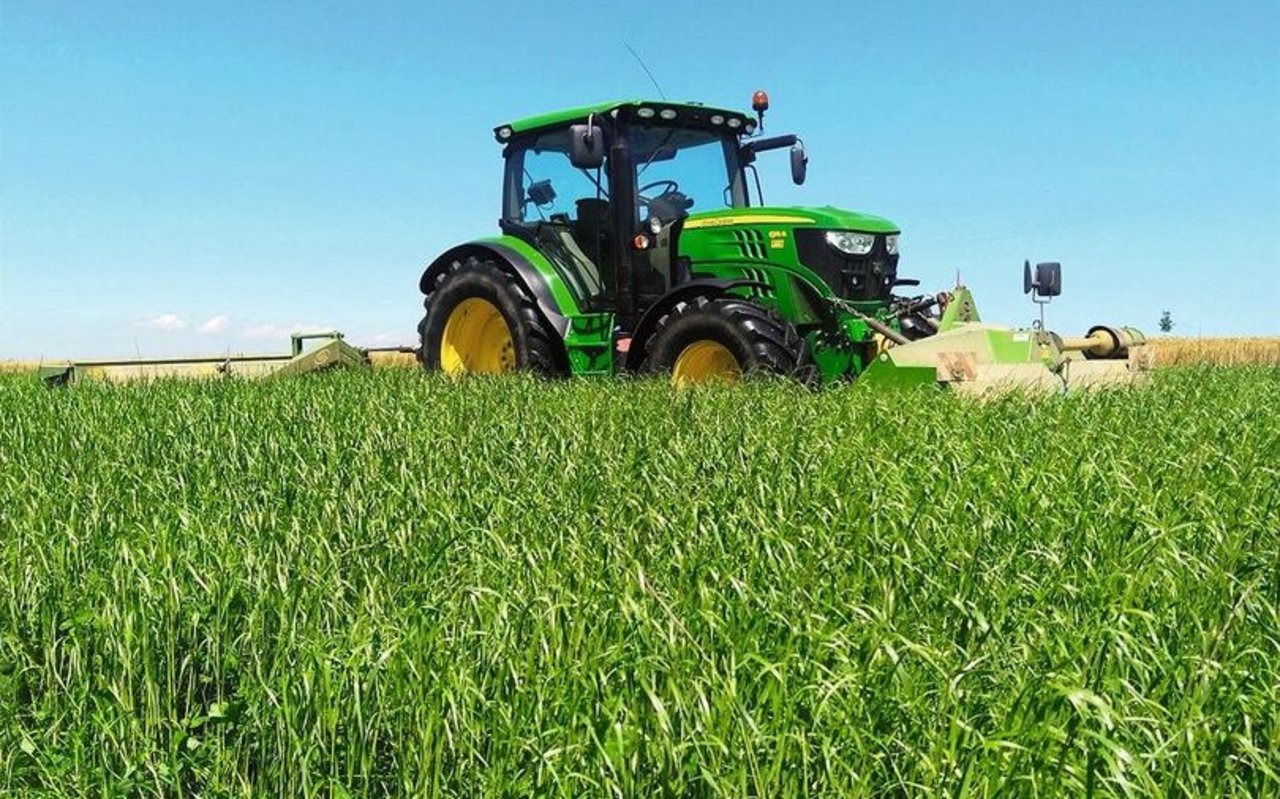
[537, 346]
[759, 340]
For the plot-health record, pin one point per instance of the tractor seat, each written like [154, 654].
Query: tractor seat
[592, 230]
[593, 218]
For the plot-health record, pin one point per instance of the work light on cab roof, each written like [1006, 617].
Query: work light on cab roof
[635, 237]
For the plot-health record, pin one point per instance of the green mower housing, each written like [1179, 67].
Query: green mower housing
[634, 238]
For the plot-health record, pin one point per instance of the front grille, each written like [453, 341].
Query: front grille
[851, 277]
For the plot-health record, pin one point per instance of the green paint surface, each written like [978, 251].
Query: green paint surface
[546, 267]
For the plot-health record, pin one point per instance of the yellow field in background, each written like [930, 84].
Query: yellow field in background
[393, 360]
[1177, 351]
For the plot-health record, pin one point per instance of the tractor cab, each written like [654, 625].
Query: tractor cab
[602, 191]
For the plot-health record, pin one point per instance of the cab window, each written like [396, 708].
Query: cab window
[543, 186]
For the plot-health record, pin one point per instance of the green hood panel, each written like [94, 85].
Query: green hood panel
[763, 244]
[825, 217]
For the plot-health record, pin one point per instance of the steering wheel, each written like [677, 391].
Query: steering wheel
[670, 204]
[671, 187]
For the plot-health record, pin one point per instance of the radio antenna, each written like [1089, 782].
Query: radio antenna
[652, 79]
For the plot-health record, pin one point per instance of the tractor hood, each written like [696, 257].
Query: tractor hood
[796, 239]
[825, 217]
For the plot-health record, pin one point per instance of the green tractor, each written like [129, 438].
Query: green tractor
[635, 239]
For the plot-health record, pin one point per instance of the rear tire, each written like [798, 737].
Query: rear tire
[725, 338]
[481, 319]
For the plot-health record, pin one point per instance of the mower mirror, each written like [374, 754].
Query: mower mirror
[586, 146]
[799, 163]
[1047, 281]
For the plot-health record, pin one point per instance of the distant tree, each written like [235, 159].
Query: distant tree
[1166, 322]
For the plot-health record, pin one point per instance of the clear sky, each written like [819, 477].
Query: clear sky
[203, 177]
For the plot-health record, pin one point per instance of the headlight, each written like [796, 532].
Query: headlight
[851, 243]
[891, 244]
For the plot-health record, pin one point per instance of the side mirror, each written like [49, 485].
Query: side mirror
[1047, 281]
[586, 146]
[799, 163]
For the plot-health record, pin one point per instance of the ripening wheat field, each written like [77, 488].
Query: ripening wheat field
[1183, 351]
[387, 584]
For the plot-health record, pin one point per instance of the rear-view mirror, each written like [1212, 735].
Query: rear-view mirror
[586, 146]
[799, 163]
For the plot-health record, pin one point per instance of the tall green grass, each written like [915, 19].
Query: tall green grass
[389, 584]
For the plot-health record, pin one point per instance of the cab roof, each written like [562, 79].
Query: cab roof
[691, 111]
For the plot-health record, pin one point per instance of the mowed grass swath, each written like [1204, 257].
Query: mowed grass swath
[384, 583]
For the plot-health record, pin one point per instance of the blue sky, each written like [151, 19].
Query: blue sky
[205, 177]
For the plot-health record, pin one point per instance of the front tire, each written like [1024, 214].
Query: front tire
[482, 320]
[706, 340]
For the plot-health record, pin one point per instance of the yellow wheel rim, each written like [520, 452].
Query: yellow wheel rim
[476, 339]
[704, 361]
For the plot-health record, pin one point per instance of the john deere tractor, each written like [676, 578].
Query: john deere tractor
[634, 238]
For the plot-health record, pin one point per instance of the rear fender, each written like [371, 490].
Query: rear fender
[522, 262]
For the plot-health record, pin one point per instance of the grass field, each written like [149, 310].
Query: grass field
[371, 584]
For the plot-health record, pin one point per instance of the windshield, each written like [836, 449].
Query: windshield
[681, 171]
